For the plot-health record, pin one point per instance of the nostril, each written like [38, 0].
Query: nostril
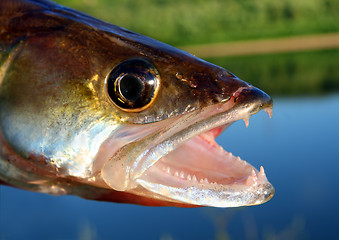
[225, 74]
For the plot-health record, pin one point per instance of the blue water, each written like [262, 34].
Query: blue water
[299, 148]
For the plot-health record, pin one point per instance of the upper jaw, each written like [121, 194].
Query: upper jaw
[136, 167]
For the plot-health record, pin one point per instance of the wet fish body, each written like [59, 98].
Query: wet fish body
[91, 109]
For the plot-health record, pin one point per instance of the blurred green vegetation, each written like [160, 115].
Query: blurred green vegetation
[187, 22]
[298, 73]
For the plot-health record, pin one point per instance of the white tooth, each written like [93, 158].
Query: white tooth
[262, 169]
[247, 121]
[189, 177]
[269, 111]
[238, 158]
[176, 174]
[205, 180]
[262, 175]
[168, 170]
[182, 174]
[194, 178]
[251, 181]
[201, 181]
[253, 174]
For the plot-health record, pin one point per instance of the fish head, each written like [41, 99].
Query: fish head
[92, 107]
[173, 155]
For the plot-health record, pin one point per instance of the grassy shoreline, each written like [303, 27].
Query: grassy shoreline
[190, 22]
[287, 74]
[265, 46]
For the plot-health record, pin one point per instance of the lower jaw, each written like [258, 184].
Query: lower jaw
[214, 197]
[200, 172]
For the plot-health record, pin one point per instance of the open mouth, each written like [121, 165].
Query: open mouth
[190, 167]
[201, 172]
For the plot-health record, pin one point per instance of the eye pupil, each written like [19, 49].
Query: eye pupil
[131, 87]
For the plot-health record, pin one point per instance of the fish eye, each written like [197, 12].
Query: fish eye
[133, 85]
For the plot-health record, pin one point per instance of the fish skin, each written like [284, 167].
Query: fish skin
[53, 66]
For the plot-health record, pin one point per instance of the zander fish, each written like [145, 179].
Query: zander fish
[91, 109]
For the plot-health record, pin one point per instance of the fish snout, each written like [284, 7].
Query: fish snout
[220, 86]
[253, 99]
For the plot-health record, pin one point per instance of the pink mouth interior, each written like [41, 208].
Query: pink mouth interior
[202, 162]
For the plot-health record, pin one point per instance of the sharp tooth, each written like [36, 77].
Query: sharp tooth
[251, 181]
[262, 170]
[182, 174]
[194, 178]
[189, 177]
[176, 174]
[269, 111]
[201, 181]
[247, 121]
[239, 159]
[205, 180]
[168, 170]
[253, 174]
[262, 175]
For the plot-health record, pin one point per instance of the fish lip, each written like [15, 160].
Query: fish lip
[258, 98]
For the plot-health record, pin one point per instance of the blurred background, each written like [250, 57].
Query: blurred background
[288, 48]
